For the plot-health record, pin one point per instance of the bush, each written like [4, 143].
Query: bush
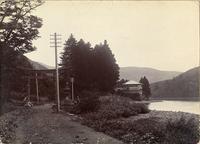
[146, 130]
[113, 111]
[89, 102]
[117, 106]
[133, 96]
[114, 107]
[182, 131]
[150, 130]
[109, 117]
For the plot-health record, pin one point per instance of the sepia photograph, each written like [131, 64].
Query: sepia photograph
[99, 72]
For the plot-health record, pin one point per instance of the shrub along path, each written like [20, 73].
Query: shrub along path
[132, 123]
[40, 126]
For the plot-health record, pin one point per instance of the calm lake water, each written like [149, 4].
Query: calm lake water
[183, 106]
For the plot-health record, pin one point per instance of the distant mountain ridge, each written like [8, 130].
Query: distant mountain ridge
[184, 86]
[39, 66]
[153, 75]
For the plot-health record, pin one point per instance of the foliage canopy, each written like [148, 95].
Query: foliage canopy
[92, 68]
[18, 28]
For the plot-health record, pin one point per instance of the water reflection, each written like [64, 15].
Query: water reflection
[184, 106]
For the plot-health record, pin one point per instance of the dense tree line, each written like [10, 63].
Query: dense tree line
[92, 68]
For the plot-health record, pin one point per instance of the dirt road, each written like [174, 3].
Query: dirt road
[40, 126]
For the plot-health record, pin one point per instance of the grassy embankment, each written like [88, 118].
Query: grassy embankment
[133, 122]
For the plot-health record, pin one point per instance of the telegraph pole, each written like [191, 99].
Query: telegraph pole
[55, 38]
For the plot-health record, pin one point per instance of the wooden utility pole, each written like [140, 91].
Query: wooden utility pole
[55, 43]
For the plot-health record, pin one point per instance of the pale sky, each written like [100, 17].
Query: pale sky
[157, 34]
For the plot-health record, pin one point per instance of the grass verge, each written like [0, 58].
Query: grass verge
[132, 122]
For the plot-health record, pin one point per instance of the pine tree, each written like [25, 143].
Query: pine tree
[82, 63]
[145, 87]
[66, 58]
[75, 61]
[106, 69]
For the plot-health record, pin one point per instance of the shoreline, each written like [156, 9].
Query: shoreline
[176, 99]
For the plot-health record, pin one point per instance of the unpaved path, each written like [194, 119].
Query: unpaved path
[40, 126]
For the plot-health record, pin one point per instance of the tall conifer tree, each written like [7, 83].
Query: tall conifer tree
[145, 87]
[91, 68]
[67, 56]
[106, 68]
